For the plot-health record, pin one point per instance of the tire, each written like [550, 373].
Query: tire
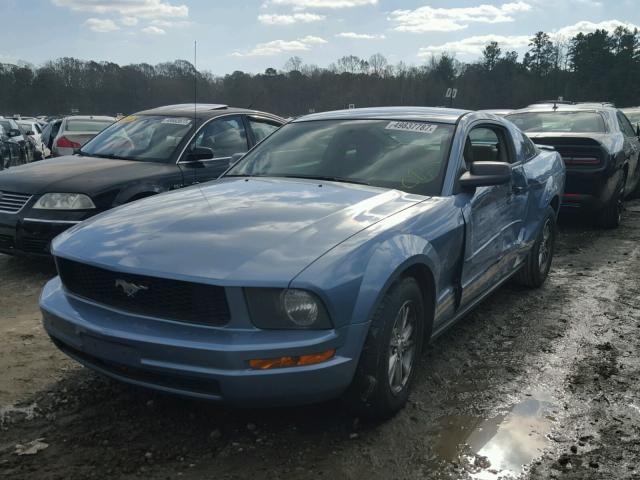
[373, 394]
[611, 216]
[536, 267]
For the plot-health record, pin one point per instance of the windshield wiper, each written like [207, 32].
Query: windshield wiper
[326, 178]
[111, 156]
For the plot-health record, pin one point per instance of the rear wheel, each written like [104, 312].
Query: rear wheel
[387, 363]
[538, 263]
[611, 216]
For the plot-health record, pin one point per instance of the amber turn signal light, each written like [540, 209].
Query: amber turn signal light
[265, 364]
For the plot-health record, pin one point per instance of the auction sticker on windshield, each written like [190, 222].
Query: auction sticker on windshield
[177, 121]
[412, 127]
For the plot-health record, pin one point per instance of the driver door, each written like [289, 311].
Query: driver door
[494, 215]
[224, 136]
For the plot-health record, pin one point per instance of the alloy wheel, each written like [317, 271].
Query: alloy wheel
[544, 251]
[402, 347]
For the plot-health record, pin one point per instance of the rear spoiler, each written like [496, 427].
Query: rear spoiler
[567, 141]
[550, 148]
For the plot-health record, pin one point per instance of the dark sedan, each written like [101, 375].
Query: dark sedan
[141, 155]
[599, 147]
[10, 151]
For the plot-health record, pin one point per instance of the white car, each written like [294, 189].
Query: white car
[34, 127]
[77, 130]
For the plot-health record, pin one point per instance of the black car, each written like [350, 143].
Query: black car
[600, 150]
[141, 155]
[11, 153]
[14, 134]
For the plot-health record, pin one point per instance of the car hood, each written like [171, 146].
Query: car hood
[73, 173]
[234, 231]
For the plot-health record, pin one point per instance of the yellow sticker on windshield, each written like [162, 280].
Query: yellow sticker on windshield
[129, 119]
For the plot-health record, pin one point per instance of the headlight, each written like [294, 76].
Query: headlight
[64, 201]
[276, 308]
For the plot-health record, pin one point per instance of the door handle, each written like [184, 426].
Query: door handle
[517, 190]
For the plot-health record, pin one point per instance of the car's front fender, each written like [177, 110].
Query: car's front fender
[353, 277]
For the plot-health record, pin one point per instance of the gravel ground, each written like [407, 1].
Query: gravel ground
[535, 384]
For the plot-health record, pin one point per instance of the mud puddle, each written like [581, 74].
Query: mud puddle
[500, 446]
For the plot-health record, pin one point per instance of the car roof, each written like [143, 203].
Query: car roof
[443, 115]
[567, 107]
[202, 111]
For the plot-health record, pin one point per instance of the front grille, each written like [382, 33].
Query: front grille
[11, 202]
[6, 241]
[151, 296]
[35, 245]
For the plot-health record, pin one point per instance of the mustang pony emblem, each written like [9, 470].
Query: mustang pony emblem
[130, 289]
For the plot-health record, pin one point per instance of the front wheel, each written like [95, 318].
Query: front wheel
[387, 363]
[538, 263]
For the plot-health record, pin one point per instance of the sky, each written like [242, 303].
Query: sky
[252, 35]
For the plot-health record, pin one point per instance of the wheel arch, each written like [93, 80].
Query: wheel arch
[419, 260]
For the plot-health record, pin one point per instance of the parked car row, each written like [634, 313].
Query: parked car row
[16, 148]
[314, 266]
[37, 138]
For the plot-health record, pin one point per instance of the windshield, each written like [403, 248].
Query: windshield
[87, 126]
[563, 122]
[634, 117]
[408, 156]
[148, 138]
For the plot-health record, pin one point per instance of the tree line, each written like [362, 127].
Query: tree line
[598, 66]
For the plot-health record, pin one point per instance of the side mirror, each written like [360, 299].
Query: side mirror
[235, 157]
[200, 153]
[14, 132]
[486, 174]
[31, 133]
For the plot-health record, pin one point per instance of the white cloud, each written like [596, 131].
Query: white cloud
[323, 3]
[359, 36]
[277, 47]
[100, 25]
[153, 30]
[127, 8]
[429, 19]
[475, 45]
[168, 23]
[589, 27]
[290, 19]
[129, 21]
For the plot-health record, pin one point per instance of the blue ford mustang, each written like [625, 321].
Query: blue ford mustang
[317, 266]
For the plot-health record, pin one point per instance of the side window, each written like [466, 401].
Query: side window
[529, 149]
[262, 128]
[225, 136]
[625, 125]
[486, 144]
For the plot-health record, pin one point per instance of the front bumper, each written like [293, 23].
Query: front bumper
[25, 235]
[200, 361]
